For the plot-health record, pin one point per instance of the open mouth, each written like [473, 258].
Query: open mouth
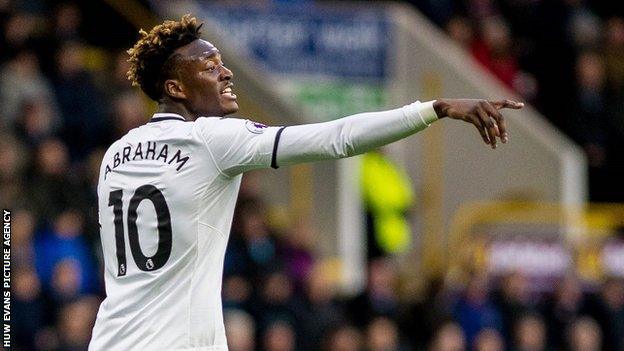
[227, 92]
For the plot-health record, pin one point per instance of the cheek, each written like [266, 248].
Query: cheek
[202, 89]
[210, 85]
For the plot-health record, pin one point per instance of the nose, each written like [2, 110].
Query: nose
[226, 74]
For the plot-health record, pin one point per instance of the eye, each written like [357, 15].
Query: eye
[211, 68]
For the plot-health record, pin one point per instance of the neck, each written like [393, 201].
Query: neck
[177, 108]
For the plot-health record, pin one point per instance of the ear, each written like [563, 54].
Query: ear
[174, 89]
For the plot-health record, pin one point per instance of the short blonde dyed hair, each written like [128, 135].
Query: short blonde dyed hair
[151, 58]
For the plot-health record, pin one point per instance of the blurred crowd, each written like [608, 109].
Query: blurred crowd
[64, 99]
[566, 57]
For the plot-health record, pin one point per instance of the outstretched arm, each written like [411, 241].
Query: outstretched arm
[363, 132]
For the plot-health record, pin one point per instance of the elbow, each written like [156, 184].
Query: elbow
[342, 151]
[348, 150]
[344, 146]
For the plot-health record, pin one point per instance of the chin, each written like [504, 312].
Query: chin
[230, 108]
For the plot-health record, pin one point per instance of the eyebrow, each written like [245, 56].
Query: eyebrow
[210, 54]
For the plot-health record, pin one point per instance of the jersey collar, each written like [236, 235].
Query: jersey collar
[166, 116]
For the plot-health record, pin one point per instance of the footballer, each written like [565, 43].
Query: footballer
[167, 189]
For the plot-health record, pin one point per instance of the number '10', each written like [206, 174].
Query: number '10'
[144, 263]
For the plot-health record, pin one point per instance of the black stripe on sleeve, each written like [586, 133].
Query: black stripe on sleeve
[274, 156]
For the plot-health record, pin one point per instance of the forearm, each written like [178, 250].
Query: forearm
[351, 135]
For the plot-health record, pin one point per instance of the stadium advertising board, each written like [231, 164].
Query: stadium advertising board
[545, 260]
[312, 41]
[332, 60]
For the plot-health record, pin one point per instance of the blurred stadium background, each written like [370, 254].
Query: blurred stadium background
[433, 243]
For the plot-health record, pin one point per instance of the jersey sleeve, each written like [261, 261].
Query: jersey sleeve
[238, 145]
[351, 135]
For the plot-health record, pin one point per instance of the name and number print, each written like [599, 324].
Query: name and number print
[163, 216]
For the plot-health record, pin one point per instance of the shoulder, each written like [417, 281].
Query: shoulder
[131, 136]
[216, 125]
[113, 147]
[218, 121]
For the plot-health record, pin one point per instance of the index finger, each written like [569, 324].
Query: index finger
[507, 104]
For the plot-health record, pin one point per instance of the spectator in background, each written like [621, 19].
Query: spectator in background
[474, 311]
[449, 337]
[591, 96]
[13, 158]
[277, 303]
[584, 26]
[129, 105]
[23, 228]
[66, 23]
[482, 9]
[498, 56]
[62, 27]
[251, 249]
[240, 329]
[237, 292]
[607, 309]
[65, 282]
[52, 188]
[343, 337]
[562, 309]
[424, 317]
[20, 30]
[28, 307]
[35, 122]
[48, 339]
[380, 297]
[76, 322]
[513, 300]
[489, 340]
[81, 102]
[63, 258]
[382, 334]
[295, 250]
[584, 334]
[614, 66]
[495, 50]
[22, 81]
[614, 53]
[252, 187]
[322, 310]
[119, 79]
[530, 333]
[461, 31]
[590, 124]
[128, 112]
[279, 336]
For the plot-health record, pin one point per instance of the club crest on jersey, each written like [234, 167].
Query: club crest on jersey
[149, 264]
[255, 127]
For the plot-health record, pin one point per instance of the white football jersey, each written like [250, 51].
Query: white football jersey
[167, 192]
